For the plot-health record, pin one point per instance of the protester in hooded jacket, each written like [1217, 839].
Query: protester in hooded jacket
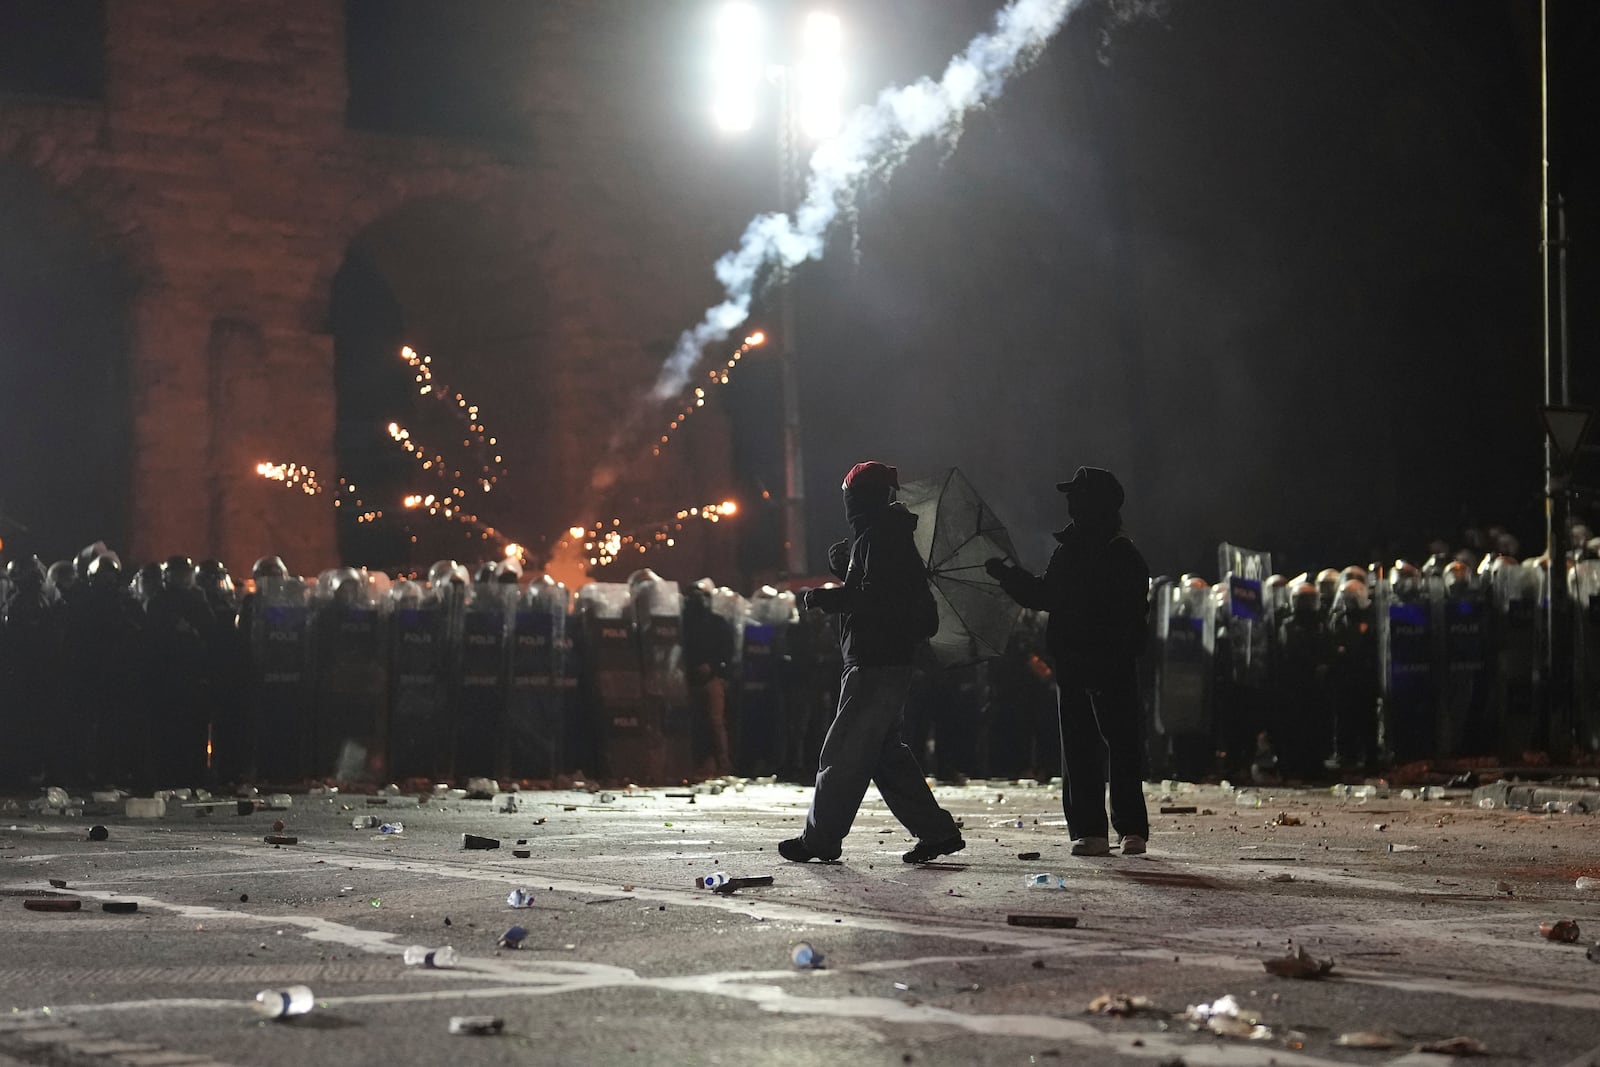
[882, 608]
[1095, 590]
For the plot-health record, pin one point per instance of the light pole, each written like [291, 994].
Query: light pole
[808, 85]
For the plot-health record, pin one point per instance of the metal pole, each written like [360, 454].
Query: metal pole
[794, 479]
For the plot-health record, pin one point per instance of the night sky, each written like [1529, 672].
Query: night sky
[1274, 263]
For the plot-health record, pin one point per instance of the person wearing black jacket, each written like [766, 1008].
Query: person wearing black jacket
[882, 608]
[1095, 588]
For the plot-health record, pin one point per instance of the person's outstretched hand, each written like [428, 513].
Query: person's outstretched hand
[997, 567]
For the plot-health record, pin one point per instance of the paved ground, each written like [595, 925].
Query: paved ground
[627, 962]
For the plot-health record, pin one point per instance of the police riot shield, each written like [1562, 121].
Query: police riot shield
[482, 681]
[628, 729]
[280, 725]
[1182, 706]
[1302, 660]
[1406, 644]
[1586, 664]
[1246, 712]
[350, 681]
[1463, 625]
[539, 701]
[1518, 594]
[657, 611]
[761, 730]
[423, 654]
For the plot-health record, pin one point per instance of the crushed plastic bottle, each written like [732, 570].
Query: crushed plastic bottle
[1247, 798]
[803, 956]
[277, 801]
[1487, 803]
[712, 880]
[365, 822]
[1045, 881]
[520, 898]
[441, 958]
[282, 1003]
[395, 827]
[1588, 884]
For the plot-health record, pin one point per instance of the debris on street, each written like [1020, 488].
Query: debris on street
[1560, 930]
[476, 1025]
[1297, 963]
[1119, 1004]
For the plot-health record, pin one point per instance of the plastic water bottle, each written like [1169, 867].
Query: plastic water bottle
[282, 1003]
[441, 958]
[1247, 798]
[804, 956]
[392, 828]
[520, 898]
[364, 822]
[714, 880]
[1045, 881]
[279, 800]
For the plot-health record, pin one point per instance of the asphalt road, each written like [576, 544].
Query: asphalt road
[627, 962]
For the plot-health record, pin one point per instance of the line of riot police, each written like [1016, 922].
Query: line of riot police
[1354, 670]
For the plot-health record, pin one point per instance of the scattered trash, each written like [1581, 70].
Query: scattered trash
[503, 803]
[607, 798]
[365, 822]
[479, 788]
[1045, 881]
[392, 828]
[1298, 963]
[513, 938]
[1405, 848]
[1506, 888]
[903, 987]
[58, 883]
[1365, 1039]
[1380, 826]
[474, 841]
[281, 839]
[440, 958]
[244, 807]
[277, 801]
[1283, 818]
[805, 957]
[520, 898]
[1594, 953]
[282, 1003]
[98, 833]
[522, 853]
[277, 825]
[1281, 876]
[479, 1025]
[1027, 855]
[711, 881]
[144, 807]
[1247, 798]
[1560, 930]
[53, 904]
[1225, 1018]
[1588, 884]
[120, 907]
[1456, 1046]
[733, 885]
[1051, 922]
[1355, 792]
[1179, 809]
[1120, 1004]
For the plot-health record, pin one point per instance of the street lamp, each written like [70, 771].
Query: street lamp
[810, 87]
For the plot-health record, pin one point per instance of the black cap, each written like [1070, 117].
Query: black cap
[1095, 483]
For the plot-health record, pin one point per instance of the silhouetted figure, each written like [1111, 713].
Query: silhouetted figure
[178, 625]
[29, 660]
[884, 607]
[1304, 722]
[1354, 677]
[102, 640]
[1095, 590]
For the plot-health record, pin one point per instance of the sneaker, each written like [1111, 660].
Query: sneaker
[795, 850]
[931, 850]
[1133, 845]
[1092, 846]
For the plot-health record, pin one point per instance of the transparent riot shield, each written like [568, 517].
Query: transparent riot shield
[422, 660]
[1518, 593]
[539, 701]
[350, 687]
[761, 729]
[1182, 704]
[1586, 663]
[485, 663]
[277, 616]
[1406, 642]
[1463, 623]
[627, 730]
[657, 611]
[1245, 713]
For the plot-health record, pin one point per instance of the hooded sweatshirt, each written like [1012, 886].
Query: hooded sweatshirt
[884, 577]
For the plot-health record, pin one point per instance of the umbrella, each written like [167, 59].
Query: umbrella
[956, 532]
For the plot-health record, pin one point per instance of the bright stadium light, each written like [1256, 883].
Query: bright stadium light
[821, 76]
[738, 67]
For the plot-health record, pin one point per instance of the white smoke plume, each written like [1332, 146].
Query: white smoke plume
[873, 137]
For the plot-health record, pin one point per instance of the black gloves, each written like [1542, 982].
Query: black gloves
[997, 567]
[839, 559]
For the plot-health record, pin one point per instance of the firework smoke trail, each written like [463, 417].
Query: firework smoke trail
[873, 138]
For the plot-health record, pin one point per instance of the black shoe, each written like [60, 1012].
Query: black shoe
[932, 850]
[795, 851]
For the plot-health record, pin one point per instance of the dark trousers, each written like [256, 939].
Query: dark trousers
[864, 745]
[1101, 739]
